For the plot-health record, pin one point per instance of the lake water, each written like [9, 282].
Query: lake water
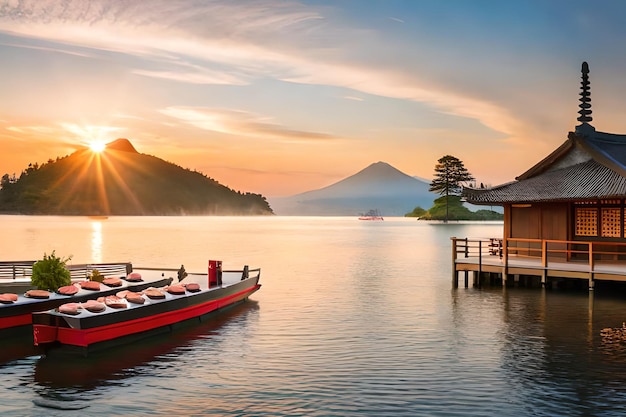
[354, 318]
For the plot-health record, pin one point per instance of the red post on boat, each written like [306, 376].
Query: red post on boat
[215, 273]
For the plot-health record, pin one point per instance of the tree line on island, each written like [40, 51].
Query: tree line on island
[121, 181]
[450, 176]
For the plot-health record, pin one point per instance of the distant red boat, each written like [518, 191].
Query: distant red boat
[371, 215]
[127, 315]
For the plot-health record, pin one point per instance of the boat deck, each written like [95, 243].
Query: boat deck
[121, 318]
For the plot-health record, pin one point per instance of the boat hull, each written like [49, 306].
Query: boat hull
[92, 331]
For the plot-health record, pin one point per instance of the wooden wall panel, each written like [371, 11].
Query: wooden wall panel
[526, 222]
[554, 222]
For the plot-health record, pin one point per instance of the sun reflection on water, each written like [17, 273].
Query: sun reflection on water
[96, 242]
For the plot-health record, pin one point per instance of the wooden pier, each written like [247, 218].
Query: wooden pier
[537, 262]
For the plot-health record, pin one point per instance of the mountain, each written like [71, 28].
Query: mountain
[379, 186]
[121, 181]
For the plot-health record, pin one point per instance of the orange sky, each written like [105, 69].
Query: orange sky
[282, 97]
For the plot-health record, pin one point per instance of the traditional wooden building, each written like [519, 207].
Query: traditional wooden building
[567, 213]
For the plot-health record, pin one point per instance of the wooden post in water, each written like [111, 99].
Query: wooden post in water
[505, 254]
[480, 262]
[455, 276]
[591, 266]
[544, 263]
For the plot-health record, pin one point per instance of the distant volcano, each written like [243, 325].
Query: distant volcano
[379, 186]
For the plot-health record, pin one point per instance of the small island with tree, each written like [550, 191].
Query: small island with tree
[450, 176]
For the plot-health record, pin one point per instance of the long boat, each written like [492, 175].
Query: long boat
[16, 308]
[128, 315]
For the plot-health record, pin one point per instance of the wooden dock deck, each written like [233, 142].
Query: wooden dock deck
[549, 262]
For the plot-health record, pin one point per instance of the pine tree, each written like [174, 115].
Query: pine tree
[450, 174]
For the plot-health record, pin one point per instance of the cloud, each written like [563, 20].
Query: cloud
[397, 85]
[237, 122]
[220, 31]
[237, 42]
[32, 129]
[67, 132]
[47, 49]
[187, 72]
[201, 77]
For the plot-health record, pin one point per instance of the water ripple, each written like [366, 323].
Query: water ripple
[351, 320]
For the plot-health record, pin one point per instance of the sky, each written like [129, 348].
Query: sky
[282, 97]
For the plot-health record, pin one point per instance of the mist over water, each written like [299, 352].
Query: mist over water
[354, 318]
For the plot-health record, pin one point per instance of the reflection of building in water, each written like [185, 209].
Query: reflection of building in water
[96, 242]
[551, 351]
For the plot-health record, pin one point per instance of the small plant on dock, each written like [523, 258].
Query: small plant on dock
[96, 276]
[50, 273]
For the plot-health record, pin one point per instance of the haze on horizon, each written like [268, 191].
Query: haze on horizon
[281, 97]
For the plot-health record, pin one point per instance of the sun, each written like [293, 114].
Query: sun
[97, 146]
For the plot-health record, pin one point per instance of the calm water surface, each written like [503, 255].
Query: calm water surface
[354, 319]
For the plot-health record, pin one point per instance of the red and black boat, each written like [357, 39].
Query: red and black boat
[16, 309]
[132, 315]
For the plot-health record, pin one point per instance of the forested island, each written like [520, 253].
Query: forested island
[450, 176]
[455, 211]
[121, 181]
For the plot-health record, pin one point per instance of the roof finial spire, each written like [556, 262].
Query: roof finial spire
[585, 100]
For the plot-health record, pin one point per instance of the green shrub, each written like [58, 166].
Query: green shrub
[96, 276]
[417, 212]
[50, 273]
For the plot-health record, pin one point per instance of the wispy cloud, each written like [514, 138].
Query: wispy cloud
[48, 49]
[68, 132]
[236, 122]
[397, 85]
[236, 42]
[32, 129]
[215, 31]
[203, 77]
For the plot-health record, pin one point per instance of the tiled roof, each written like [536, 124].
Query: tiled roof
[586, 180]
[589, 165]
[607, 148]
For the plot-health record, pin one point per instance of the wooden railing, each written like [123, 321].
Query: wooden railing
[82, 271]
[24, 269]
[544, 250]
[479, 247]
[15, 270]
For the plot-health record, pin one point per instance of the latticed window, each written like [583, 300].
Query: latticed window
[611, 221]
[586, 221]
[600, 218]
